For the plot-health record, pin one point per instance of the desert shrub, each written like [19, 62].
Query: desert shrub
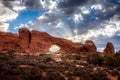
[112, 61]
[67, 63]
[32, 77]
[117, 53]
[119, 77]
[100, 76]
[78, 73]
[118, 68]
[11, 54]
[94, 59]
[9, 77]
[6, 56]
[35, 77]
[70, 74]
[13, 72]
[77, 57]
[4, 69]
[117, 61]
[71, 78]
[86, 77]
[67, 57]
[115, 73]
[46, 57]
[3, 57]
[84, 74]
[54, 76]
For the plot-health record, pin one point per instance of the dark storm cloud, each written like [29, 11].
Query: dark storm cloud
[115, 1]
[69, 6]
[14, 5]
[29, 4]
[7, 3]
[110, 10]
[33, 4]
[111, 7]
[70, 3]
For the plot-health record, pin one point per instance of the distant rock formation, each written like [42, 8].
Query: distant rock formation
[109, 50]
[35, 43]
[90, 46]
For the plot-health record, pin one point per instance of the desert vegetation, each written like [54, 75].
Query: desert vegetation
[71, 67]
[110, 61]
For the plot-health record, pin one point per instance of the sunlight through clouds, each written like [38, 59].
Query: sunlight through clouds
[107, 29]
[76, 20]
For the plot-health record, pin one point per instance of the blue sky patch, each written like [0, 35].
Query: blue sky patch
[24, 17]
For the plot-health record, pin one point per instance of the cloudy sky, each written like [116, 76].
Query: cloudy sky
[76, 20]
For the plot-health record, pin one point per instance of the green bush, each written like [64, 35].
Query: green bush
[77, 57]
[94, 59]
[100, 75]
[117, 53]
[3, 57]
[46, 57]
[112, 61]
[6, 56]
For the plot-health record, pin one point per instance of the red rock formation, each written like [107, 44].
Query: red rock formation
[35, 42]
[109, 50]
[24, 37]
[8, 42]
[90, 47]
[41, 42]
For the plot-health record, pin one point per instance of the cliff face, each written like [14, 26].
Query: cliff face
[35, 42]
[8, 42]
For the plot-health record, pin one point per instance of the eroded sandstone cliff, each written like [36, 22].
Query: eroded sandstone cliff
[35, 42]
